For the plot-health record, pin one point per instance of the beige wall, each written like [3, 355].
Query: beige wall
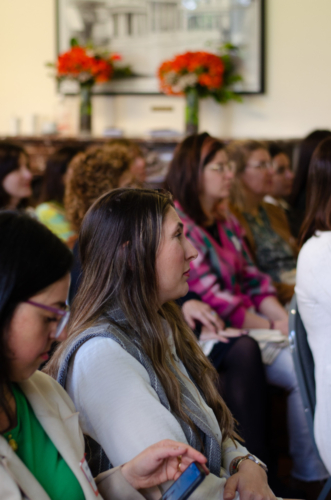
[297, 99]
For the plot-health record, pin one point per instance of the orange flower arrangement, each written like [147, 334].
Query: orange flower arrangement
[85, 65]
[209, 74]
[202, 68]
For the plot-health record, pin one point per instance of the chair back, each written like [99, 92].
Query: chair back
[303, 363]
[305, 370]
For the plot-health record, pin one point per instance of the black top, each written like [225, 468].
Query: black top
[213, 231]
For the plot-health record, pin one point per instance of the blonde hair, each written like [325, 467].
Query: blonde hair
[239, 152]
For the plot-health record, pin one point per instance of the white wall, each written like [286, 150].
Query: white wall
[297, 99]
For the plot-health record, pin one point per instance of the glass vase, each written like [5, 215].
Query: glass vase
[191, 111]
[85, 109]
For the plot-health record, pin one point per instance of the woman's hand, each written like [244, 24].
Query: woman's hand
[195, 310]
[250, 481]
[159, 463]
[221, 336]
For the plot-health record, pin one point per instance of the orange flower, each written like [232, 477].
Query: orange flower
[116, 57]
[207, 67]
[76, 62]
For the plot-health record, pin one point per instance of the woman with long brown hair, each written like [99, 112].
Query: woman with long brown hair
[130, 362]
[313, 287]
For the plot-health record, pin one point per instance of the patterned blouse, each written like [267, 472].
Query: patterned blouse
[274, 255]
[225, 276]
[52, 215]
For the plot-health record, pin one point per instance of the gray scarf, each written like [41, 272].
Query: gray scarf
[115, 330]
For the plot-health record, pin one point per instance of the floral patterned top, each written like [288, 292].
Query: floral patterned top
[274, 255]
[52, 215]
[224, 276]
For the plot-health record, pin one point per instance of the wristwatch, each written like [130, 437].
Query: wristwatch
[234, 466]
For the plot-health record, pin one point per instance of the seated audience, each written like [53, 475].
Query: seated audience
[282, 179]
[15, 177]
[267, 230]
[313, 288]
[51, 211]
[225, 277]
[91, 174]
[297, 199]
[41, 444]
[130, 362]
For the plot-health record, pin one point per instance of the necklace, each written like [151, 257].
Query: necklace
[12, 443]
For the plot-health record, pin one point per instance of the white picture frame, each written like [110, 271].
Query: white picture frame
[146, 32]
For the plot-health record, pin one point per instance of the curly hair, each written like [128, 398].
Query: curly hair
[91, 174]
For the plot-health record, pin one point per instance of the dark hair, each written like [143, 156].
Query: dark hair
[9, 161]
[184, 176]
[31, 258]
[275, 150]
[119, 239]
[53, 185]
[318, 212]
[307, 147]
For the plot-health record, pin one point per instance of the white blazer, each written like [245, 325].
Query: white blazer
[313, 291]
[57, 415]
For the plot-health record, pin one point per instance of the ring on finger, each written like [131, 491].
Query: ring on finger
[179, 458]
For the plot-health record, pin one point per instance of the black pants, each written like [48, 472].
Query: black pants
[243, 387]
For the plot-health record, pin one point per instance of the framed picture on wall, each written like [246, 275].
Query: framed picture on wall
[146, 32]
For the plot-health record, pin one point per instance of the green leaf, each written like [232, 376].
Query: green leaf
[122, 72]
[74, 42]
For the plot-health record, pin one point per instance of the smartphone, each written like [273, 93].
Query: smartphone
[186, 483]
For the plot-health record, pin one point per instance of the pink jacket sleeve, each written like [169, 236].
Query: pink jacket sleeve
[205, 282]
[209, 272]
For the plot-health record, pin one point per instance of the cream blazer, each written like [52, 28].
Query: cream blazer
[57, 415]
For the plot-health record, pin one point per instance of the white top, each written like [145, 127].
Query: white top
[313, 290]
[121, 411]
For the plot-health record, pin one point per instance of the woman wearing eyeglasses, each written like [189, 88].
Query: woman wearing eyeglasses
[224, 276]
[267, 229]
[41, 444]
